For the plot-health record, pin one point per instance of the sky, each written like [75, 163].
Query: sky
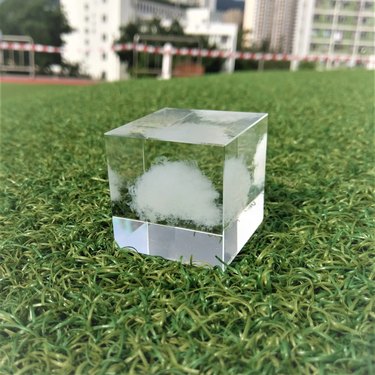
[229, 4]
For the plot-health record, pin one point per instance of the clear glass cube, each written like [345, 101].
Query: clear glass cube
[188, 184]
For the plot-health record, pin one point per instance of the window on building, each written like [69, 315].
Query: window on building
[87, 42]
[87, 53]
[104, 37]
[364, 20]
[224, 39]
[319, 48]
[104, 18]
[86, 31]
[327, 33]
[337, 36]
[86, 6]
[87, 18]
[338, 47]
[104, 56]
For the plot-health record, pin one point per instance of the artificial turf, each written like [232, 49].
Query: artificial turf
[298, 299]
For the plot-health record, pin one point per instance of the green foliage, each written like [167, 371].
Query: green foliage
[298, 299]
[276, 65]
[307, 65]
[263, 47]
[154, 27]
[246, 64]
[43, 20]
[141, 27]
[261, 65]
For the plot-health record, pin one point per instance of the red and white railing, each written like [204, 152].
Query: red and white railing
[15, 46]
[183, 51]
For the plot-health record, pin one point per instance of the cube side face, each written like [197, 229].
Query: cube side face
[125, 164]
[167, 183]
[244, 178]
[252, 147]
[170, 242]
[167, 198]
[181, 186]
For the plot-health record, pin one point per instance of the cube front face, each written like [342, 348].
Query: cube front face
[188, 184]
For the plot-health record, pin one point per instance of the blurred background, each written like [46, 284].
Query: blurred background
[118, 39]
[298, 299]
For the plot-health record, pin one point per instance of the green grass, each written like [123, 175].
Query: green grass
[15, 90]
[298, 299]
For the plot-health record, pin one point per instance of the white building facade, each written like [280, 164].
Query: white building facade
[96, 25]
[341, 28]
[248, 23]
[270, 22]
[333, 28]
[223, 35]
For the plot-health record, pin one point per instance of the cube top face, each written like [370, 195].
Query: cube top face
[190, 126]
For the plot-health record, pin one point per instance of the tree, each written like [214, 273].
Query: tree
[155, 27]
[43, 20]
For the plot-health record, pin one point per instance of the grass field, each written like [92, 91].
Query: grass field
[299, 299]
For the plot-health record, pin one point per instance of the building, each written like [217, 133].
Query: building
[248, 23]
[147, 10]
[201, 21]
[270, 24]
[335, 28]
[283, 23]
[211, 4]
[232, 16]
[186, 3]
[97, 25]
